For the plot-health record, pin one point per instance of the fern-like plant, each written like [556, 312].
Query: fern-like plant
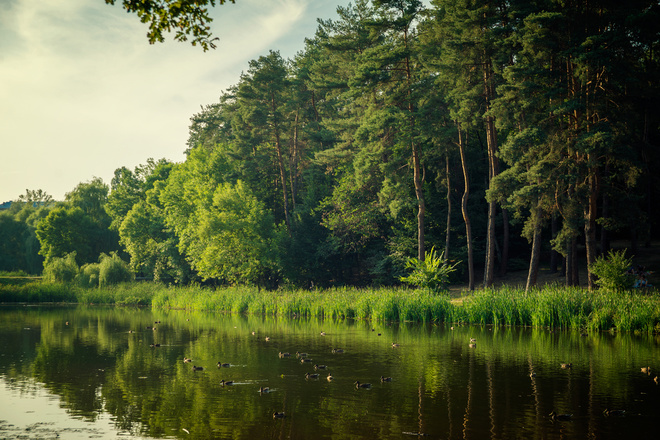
[613, 271]
[432, 273]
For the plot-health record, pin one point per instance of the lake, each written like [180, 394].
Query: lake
[111, 372]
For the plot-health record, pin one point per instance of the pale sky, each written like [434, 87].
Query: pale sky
[82, 92]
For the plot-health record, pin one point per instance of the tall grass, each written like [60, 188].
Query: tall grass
[35, 292]
[554, 306]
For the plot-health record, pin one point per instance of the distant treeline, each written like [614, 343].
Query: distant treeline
[499, 132]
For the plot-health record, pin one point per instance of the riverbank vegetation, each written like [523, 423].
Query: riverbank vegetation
[503, 135]
[553, 306]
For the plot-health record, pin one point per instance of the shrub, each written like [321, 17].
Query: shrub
[113, 270]
[432, 273]
[89, 275]
[61, 269]
[613, 272]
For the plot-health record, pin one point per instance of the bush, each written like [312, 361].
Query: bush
[89, 275]
[61, 269]
[613, 272]
[432, 273]
[113, 270]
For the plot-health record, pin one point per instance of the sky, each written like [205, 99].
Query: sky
[82, 92]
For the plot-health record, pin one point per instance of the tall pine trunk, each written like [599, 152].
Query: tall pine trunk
[280, 160]
[448, 231]
[590, 227]
[493, 170]
[535, 258]
[464, 204]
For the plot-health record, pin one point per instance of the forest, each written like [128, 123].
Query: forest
[503, 135]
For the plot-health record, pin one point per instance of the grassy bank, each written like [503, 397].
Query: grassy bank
[553, 306]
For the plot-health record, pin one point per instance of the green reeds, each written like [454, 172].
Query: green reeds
[554, 306]
[37, 291]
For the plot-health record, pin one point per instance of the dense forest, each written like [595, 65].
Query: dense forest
[505, 134]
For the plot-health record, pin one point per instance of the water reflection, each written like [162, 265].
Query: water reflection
[126, 367]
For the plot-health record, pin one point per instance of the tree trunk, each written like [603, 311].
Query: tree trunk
[293, 164]
[554, 255]
[448, 231]
[493, 170]
[421, 205]
[604, 233]
[464, 203]
[417, 178]
[590, 227]
[280, 160]
[504, 262]
[534, 259]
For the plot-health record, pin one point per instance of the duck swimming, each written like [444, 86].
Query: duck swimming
[560, 417]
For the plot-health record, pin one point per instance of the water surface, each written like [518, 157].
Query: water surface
[99, 372]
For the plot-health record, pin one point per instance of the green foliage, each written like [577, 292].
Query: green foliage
[36, 292]
[235, 238]
[432, 273]
[613, 271]
[88, 276]
[188, 18]
[61, 269]
[113, 270]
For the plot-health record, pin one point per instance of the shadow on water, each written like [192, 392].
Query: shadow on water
[123, 369]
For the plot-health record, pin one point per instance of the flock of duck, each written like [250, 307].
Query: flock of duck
[303, 358]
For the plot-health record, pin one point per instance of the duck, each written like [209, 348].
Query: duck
[473, 339]
[305, 360]
[646, 370]
[300, 355]
[285, 354]
[614, 412]
[267, 338]
[311, 376]
[566, 366]
[362, 385]
[187, 360]
[395, 345]
[320, 367]
[196, 368]
[264, 389]
[154, 345]
[385, 379]
[322, 333]
[330, 378]
[278, 415]
[226, 382]
[337, 350]
[223, 364]
[472, 345]
[560, 417]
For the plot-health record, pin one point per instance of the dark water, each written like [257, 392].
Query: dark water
[91, 378]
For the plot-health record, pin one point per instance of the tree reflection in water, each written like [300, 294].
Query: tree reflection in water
[505, 387]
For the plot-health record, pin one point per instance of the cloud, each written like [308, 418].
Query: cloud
[84, 93]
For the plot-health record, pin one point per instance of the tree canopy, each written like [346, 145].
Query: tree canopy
[537, 120]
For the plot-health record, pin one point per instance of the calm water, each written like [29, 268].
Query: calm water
[79, 373]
